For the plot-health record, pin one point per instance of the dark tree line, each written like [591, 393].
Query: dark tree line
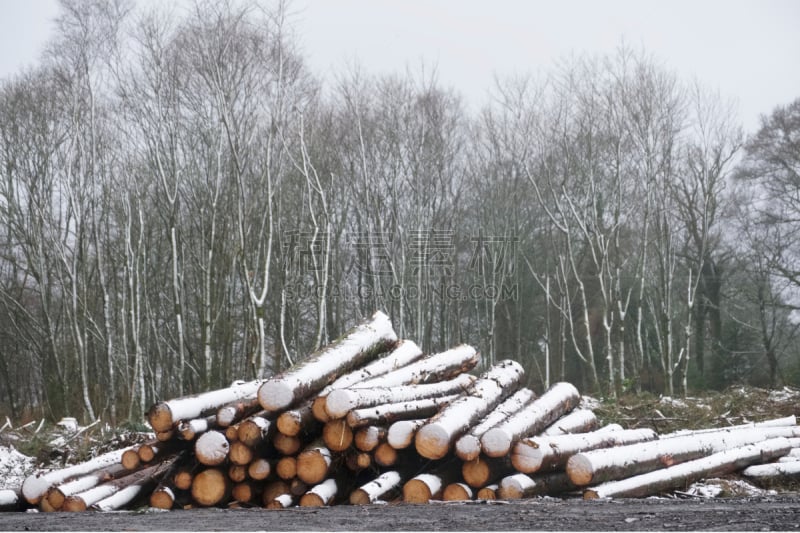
[183, 204]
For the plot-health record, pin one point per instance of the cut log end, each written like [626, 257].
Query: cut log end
[286, 468]
[318, 408]
[579, 470]
[337, 435]
[259, 469]
[496, 442]
[359, 497]
[286, 445]
[526, 458]
[476, 473]
[290, 423]
[487, 493]
[74, 504]
[385, 455]
[310, 499]
[590, 494]
[55, 498]
[432, 441]
[237, 473]
[312, 465]
[275, 396]
[211, 448]
[456, 492]
[162, 498]
[209, 487]
[183, 479]
[130, 459]
[160, 417]
[417, 491]
[468, 447]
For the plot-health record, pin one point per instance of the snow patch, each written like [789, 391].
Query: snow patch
[674, 402]
[783, 395]
[14, 467]
[716, 487]
[589, 402]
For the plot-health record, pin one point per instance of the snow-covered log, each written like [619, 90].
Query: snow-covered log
[162, 497]
[342, 401]
[519, 486]
[211, 487]
[57, 495]
[10, 500]
[321, 495]
[774, 422]
[369, 437]
[401, 433]
[558, 400]
[483, 470]
[684, 474]
[35, 486]
[608, 427]
[298, 420]
[456, 492]
[386, 483]
[435, 439]
[550, 453]
[578, 421]
[404, 353]
[282, 501]
[163, 416]
[254, 430]
[774, 472]
[313, 463]
[190, 429]
[430, 369]
[338, 436]
[390, 412]
[607, 464]
[211, 448]
[358, 346]
[230, 414]
[468, 447]
[430, 486]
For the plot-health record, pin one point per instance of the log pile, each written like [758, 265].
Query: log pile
[369, 419]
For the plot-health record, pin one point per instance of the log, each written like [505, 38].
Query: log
[774, 473]
[259, 469]
[430, 486]
[10, 500]
[357, 347]
[237, 473]
[519, 486]
[273, 490]
[211, 487]
[118, 492]
[313, 463]
[35, 486]
[774, 422]
[227, 415]
[552, 453]
[245, 492]
[190, 429]
[489, 492]
[597, 466]
[387, 483]
[163, 497]
[468, 447]
[57, 495]
[578, 421]
[457, 492]
[211, 448]
[338, 436]
[357, 461]
[298, 487]
[608, 427]
[296, 421]
[183, 477]
[321, 495]
[430, 369]
[130, 459]
[484, 470]
[385, 455]
[286, 468]
[163, 416]
[240, 453]
[282, 501]
[391, 412]
[401, 433]
[254, 430]
[558, 400]
[714, 465]
[403, 354]
[232, 433]
[369, 437]
[165, 436]
[342, 401]
[435, 439]
[286, 445]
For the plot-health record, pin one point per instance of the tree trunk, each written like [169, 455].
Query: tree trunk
[716, 464]
[389, 413]
[481, 471]
[321, 495]
[520, 486]
[772, 474]
[387, 484]
[430, 486]
[435, 439]
[360, 345]
[188, 430]
[533, 418]
[230, 414]
[401, 433]
[430, 369]
[775, 422]
[578, 421]
[551, 453]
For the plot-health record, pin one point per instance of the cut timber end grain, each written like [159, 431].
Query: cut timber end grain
[360, 345]
[183, 479]
[401, 433]
[162, 498]
[320, 495]
[298, 487]
[259, 469]
[488, 493]
[130, 459]
[237, 473]
[253, 430]
[273, 490]
[313, 464]
[422, 488]
[337, 435]
[164, 436]
[294, 421]
[211, 448]
[240, 453]
[286, 468]
[210, 487]
[243, 492]
[483, 470]
[358, 461]
[368, 438]
[286, 445]
[385, 455]
[160, 417]
[456, 492]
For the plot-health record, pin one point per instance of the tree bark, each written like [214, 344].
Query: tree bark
[481, 471]
[520, 486]
[401, 433]
[430, 369]
[557, 401]
[578, 421]
[389, 413]
[388, 483]
[457, 492]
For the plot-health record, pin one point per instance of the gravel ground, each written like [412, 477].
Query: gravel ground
[732, 514]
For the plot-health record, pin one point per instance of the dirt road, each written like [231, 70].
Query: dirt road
[761, 514]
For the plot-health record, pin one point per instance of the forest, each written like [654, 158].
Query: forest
[184, 203]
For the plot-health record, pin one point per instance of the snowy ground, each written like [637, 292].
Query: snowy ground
[14, 467]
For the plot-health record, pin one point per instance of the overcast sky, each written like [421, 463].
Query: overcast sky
[748, 49]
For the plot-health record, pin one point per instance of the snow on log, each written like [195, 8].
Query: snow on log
[55, 496]
[390, 412]
[468, 447]
[358, 346]
[298, 420]
[259, 469]
[578, 421]
[774, 422]
[228, 415]
[321, 495]
[211, 487]
[313, 463]
[281, 501]
[716, 464]
[774, 472]
[405, 352]
[483, 470]
[10, 500]
[430, 369]
[430, 486]
[608, 427]
[550, 453]
[163, 416]
[368, 438]
[607, 464]
[558, 400]
[36, 485]
[386, 483]
[163, 497]
[211, 448]
[456, 492]
[435, 439]
[254, 430]
[401, 433]
[489, 492]
[342, 401]
[519, 486]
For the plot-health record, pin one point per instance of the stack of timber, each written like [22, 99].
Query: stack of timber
[370, 418]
